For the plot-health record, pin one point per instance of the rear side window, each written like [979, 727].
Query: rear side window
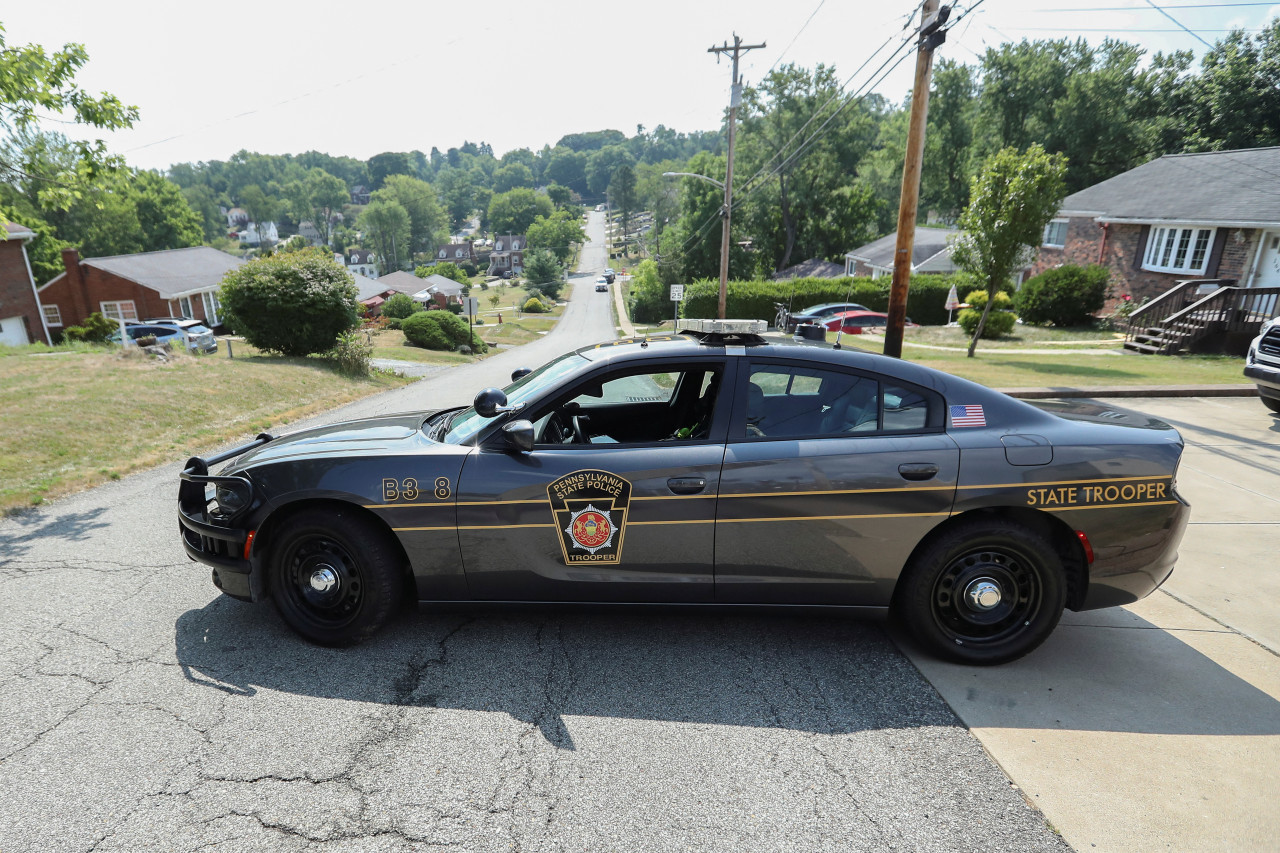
[801, 401]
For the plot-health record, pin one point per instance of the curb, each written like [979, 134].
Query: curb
[1133, 391]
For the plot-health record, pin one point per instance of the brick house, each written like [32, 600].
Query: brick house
[458, 253]
[170, 283]
[1183, 216]
[21, 320]
[507, 255]
[439, 290]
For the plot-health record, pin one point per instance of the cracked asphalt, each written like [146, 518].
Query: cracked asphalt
[144, 711]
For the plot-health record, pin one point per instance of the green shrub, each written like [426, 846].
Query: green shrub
[394, 322]
[399, 305]
[534, 306]
[454, 307]
[351, 355]
[295, 304]
[999, 322]
[440, 330]
[95, 329]
[1064, 296]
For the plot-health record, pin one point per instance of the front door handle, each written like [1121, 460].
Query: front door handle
[918, 470]
[686, 485]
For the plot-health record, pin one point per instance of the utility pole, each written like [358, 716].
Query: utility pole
[735, 98]
[931, 19]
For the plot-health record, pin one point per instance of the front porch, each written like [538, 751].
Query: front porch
[1202, 315]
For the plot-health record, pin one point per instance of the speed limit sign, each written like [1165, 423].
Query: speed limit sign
[677, 292]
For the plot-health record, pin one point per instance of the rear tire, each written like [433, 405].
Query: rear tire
[984, 593]
[1271, 403]
[334, 577]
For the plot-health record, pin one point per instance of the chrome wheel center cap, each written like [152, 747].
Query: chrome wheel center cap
[324, 579]
[983, 594]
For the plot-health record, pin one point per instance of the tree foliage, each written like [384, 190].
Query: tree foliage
[1012, 199]
[387, 228]
[514, 211]
[544, 271]
[428, 224]
[557, 233]
[295, 304]
[1064, 296]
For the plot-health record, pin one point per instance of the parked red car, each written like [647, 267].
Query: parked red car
[854, 322]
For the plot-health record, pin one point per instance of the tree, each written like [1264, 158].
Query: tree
[544, 272]
[399, 306]
[556, 233]
[448, 269]
[514, 211]
[511, 176]
[567, 168]
[317, 198]
[622, 195]
[382, 166]
[33, 82]
[387, 224]
[1011, 200]
[1235, 101]
[560, 196]
[428, 224]
[204, 202]
[262, 208]
[164, 216]
[602, 164]
[457, 193]
[295, 304]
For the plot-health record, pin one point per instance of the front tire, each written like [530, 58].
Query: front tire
[334, 577]
[984, 593]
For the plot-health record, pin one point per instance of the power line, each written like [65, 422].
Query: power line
[1140, 9]
[1180, 24]
[796, 36]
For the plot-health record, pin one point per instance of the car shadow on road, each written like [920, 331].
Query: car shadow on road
[1108, 671]
[826, 674]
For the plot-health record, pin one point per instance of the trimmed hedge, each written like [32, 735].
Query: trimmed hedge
[754, 300]
[999, 322]
[440, 330]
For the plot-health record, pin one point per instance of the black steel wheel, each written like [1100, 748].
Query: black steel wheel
[984, 593]
[334, 577]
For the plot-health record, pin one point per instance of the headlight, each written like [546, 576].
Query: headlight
[231, 498]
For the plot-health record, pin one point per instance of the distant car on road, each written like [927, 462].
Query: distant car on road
[602, 285]
[610, 275]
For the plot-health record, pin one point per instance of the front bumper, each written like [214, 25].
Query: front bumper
[1266, 377]
[221, 542]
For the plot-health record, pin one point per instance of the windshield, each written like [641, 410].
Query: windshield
[467, 423]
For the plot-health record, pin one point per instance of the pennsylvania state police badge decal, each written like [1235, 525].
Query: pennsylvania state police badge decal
[590, 509]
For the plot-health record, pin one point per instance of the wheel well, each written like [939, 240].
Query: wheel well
[262, 541]
[1064, 540]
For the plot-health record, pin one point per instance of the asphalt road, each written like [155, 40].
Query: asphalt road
[144, 711]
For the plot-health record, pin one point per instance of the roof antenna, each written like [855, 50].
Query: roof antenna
[840, 330]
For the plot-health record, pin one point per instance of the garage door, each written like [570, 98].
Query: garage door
[13, 332]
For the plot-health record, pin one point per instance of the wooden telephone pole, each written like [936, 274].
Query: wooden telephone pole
[931, 18]
[735, 98]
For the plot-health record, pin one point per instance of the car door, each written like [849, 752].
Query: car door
[628, 514]
[831, 478]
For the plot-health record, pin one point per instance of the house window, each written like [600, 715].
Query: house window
[1182, 250]
[211, 308]
[52, 315]
[122, 310]
[184, 305]
[442, 253]
[515, 244]
[498, 246]
[458, 253]
[1055, 234]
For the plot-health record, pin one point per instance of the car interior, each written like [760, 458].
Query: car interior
[636, 407]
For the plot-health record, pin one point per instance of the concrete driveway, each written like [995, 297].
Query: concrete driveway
[1157, 726]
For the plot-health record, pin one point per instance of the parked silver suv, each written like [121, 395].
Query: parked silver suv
[200, 337]
[1262, 365]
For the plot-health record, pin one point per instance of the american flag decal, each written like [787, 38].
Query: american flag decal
[967, 416]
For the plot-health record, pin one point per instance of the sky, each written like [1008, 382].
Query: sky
[359, 78]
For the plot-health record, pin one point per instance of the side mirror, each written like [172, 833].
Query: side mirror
[490, 402]
[520, 373]
[519, 435]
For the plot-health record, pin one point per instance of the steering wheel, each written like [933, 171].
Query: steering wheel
[579, 431]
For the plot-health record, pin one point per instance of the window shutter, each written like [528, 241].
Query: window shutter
[1143, 236]
[1215, 254]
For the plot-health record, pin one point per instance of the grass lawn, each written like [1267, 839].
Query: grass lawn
[75, 417]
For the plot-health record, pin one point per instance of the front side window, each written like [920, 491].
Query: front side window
[1178, 250]
[1055, 234]
[122, 310]
[801, 401]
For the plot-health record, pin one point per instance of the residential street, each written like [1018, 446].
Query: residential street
[144, 711]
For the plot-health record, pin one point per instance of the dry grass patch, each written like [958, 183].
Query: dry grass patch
[73, 419]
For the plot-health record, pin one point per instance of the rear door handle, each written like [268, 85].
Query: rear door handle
[686, 485]
[918, 470]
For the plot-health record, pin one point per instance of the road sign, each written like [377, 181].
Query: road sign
[677, 292]
[471, 305]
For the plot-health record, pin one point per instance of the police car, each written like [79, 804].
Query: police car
[709, 466]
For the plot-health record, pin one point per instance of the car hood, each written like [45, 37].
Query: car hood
[400, 433]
